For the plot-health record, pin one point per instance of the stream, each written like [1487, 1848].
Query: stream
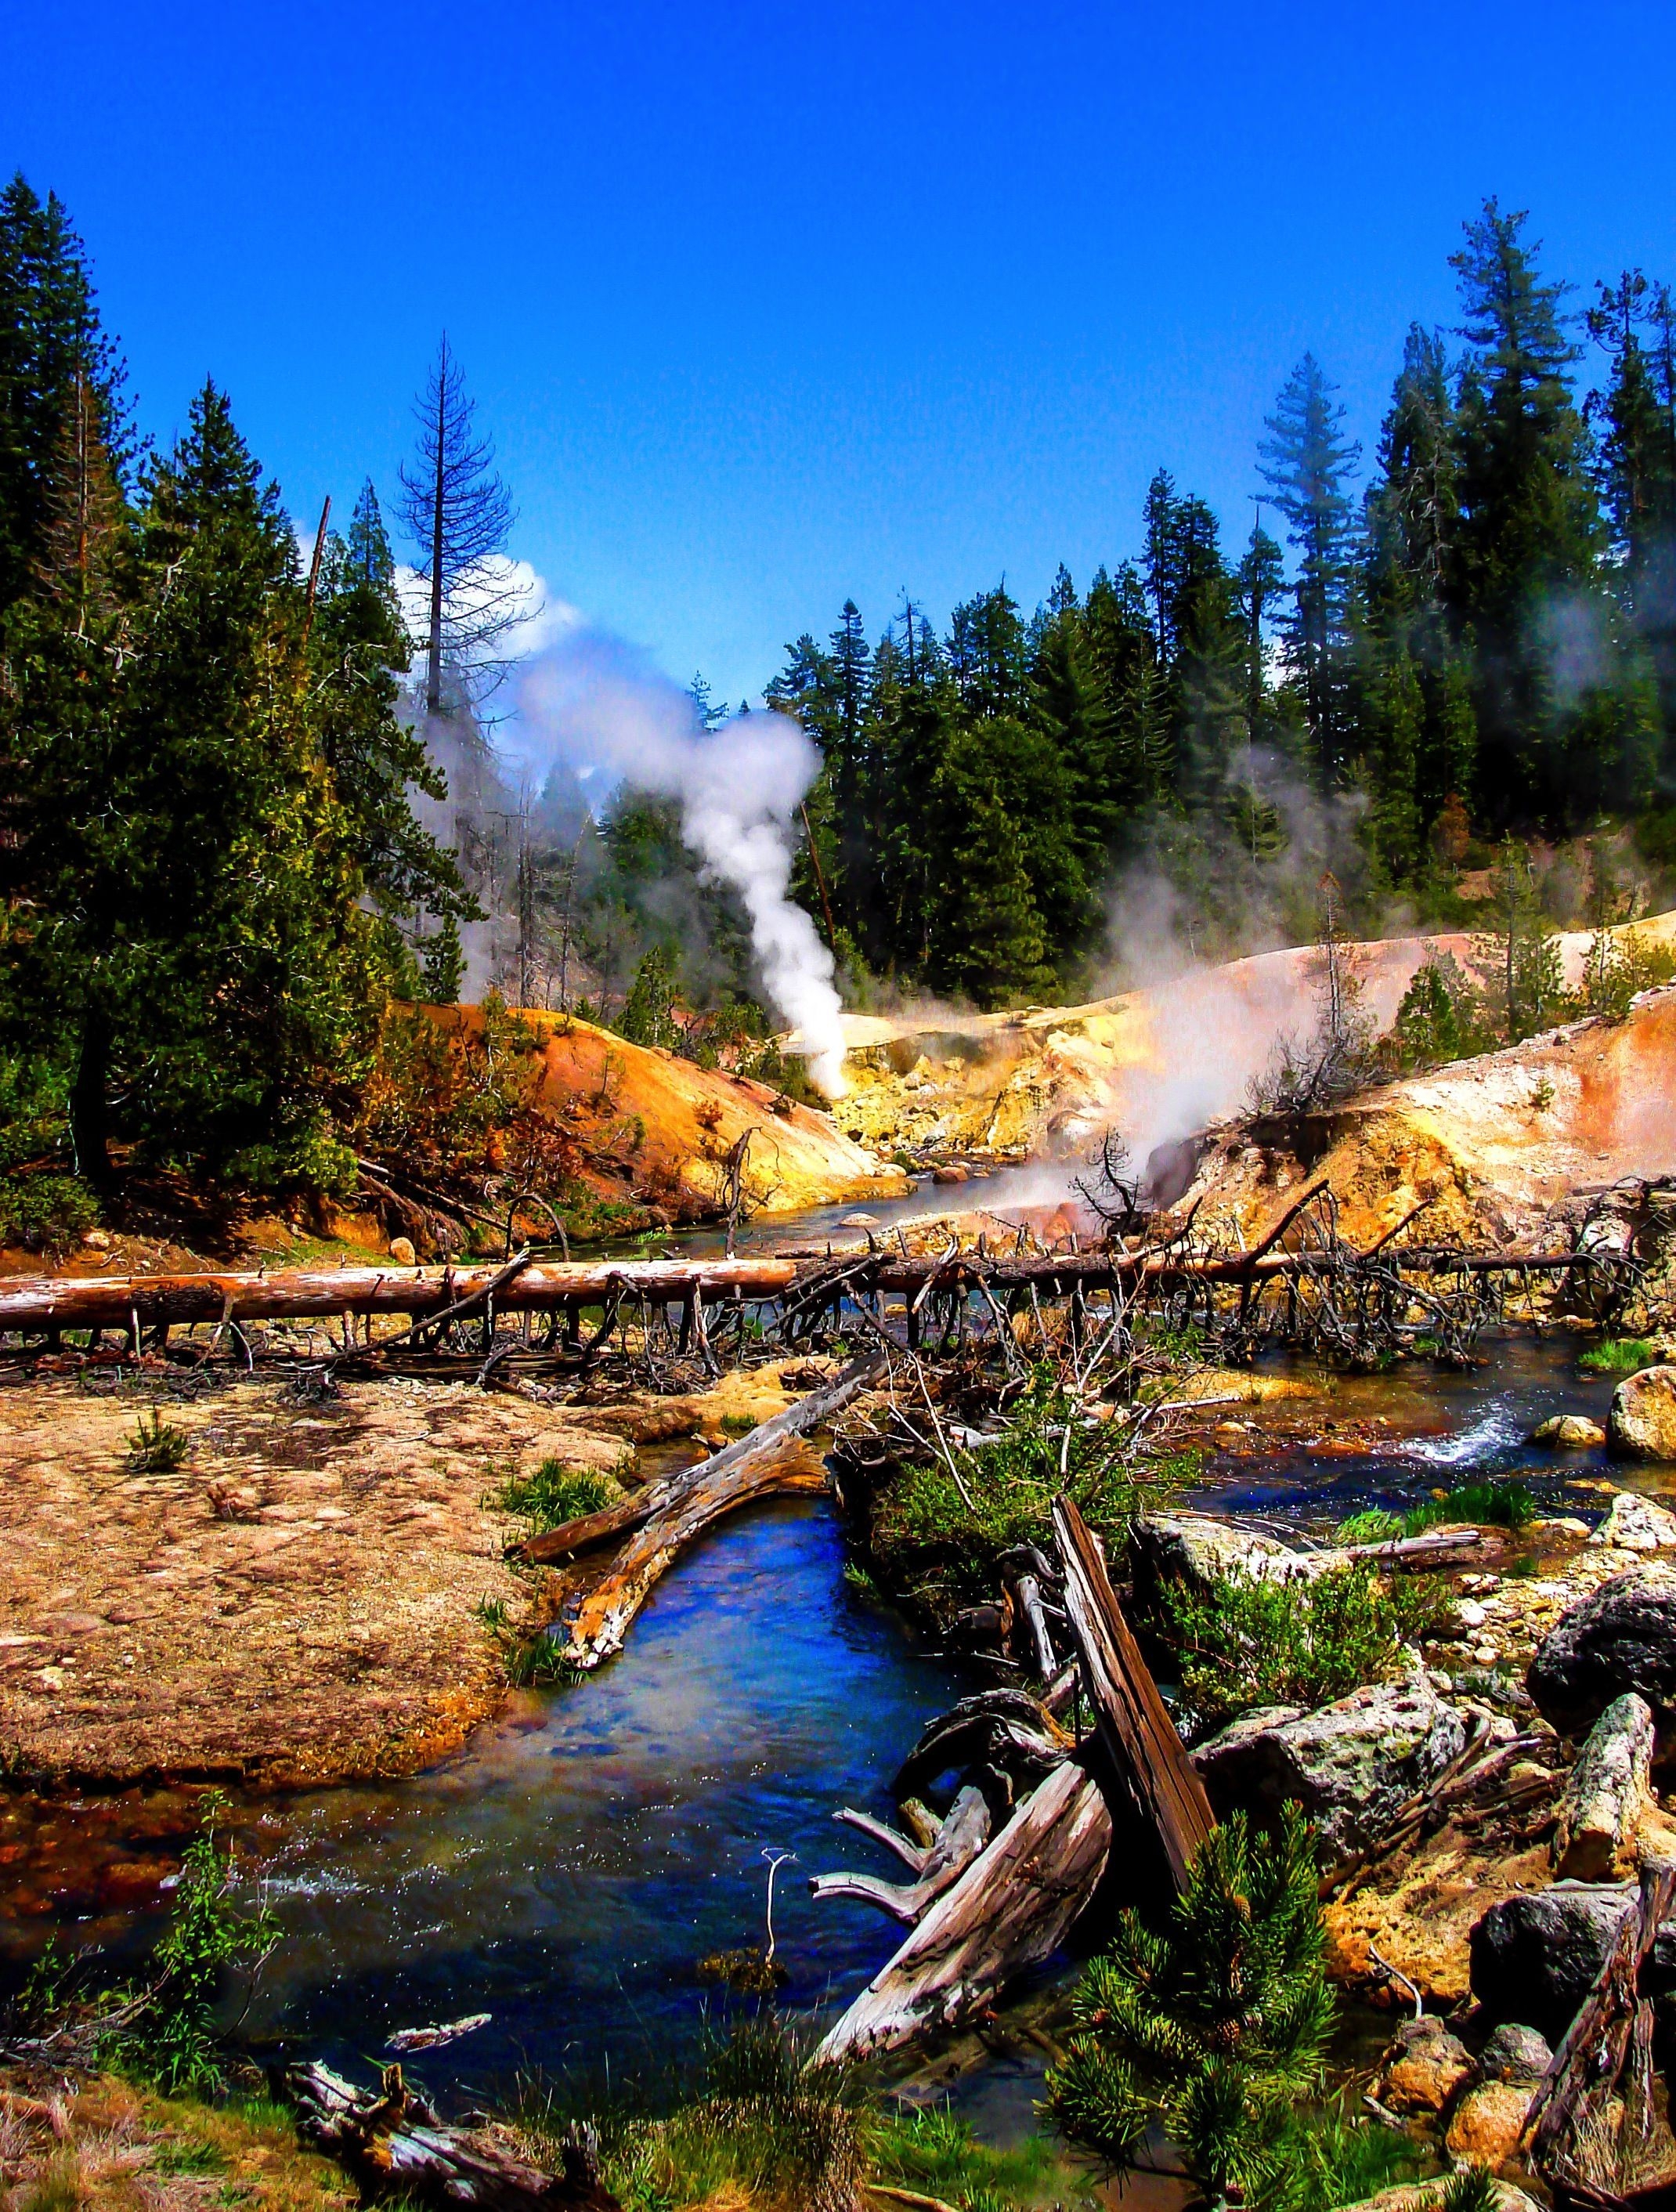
[568, 1871]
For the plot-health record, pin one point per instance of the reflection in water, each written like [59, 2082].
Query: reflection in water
[566, 1873]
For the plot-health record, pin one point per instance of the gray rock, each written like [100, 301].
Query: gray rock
[1515, 2054]
[1352, 1767]
[1621, 1638]
[1569, 1432]
[1642, 1421]
[1535, 1957]
[1608, 1794]
[1636, 1524]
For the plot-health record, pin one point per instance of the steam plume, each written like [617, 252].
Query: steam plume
[601, 704]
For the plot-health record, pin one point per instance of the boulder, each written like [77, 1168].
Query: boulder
[1199, 1552]
[1424, 2068]
[1622, 1636]
[1642, 1422]
[1485, 2126]
[1428, 2196]
[1569, 1432]
[1636, 1524]
[402, 1252]
[1607, 1795]
[1515, 2054]
[1536, 1956]
[1352, 1765]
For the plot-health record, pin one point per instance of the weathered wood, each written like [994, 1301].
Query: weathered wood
[1133, 1721]
[1027, 1592]
[666, 1495]
[912, 1855]
[1011, 1910]
[1436, 1543]
[606, 1612]
[34, 1302]
[1576, 2145]
[962, 1837]
[392, 2142]
[1005, 1728]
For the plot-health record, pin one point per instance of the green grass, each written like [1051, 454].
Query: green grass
[1374, 1526]
[934, 2154]
[1326, 2161]
[175, 2156]
[1618, 1355]
[1486, 1504]
[537, 1662]
[554, 1494]
[156, 1446]
[1250, 1643]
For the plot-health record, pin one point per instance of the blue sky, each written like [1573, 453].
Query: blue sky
[767, 305]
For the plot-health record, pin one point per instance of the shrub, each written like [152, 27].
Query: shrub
[1211, 2025]
[1251, 1643]
[46, 1212]
[156, 1446]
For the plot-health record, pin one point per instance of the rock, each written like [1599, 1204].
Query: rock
[1200, 1550]
[1535, 1957]
[1428, 2196]
[1622, 1636]
[955, 1174]
[1642, 1422]
[1515, 2054]
[1636, 1524]
[1425, 2067]
[860, 1221]
[97, 1240]
[1570, 1431]
[1607, 1795]
[1352, 1765]
[402, 1252]
[1485, 2126]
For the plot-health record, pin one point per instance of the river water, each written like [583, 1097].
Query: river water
[568, 1871]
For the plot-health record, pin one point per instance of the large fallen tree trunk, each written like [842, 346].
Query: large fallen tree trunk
[116, 1301]
[1134, 1723]
[599, 1626]
[666, 1495]
[394, 2145]
[1012, 1909]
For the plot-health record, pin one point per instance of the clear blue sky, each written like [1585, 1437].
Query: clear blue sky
[769, 305]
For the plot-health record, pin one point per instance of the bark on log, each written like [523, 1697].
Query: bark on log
[301, 1293]
[666, 1495]
[391, 2142]
[1007, 1728]
[961, 1838]
[1010, 1910]
[606, 1612]
[1134, 1722]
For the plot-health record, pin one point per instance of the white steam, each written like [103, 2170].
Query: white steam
[601, 704]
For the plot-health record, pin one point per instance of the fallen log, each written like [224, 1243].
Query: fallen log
[392, 2142]
[302, 1293]
[1134, 1722]
[1010, 1910]
[962, 1837]
[1005, 1728]
[599, 1628]
[663, 1496]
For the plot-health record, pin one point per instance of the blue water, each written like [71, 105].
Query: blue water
[568, 1870]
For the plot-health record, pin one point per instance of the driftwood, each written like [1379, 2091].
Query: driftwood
[112, 1301]
[1591, 2125]
[1004, 1728]
[663, 1497]
[392, 2142]
[959, 1840]
[1011, 1908]
[1134, 1722]
[606, 1612]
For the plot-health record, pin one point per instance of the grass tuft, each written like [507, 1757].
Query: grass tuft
[554, 1494]
[1618, 1355]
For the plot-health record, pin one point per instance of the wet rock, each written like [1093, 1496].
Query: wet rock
[1621, 1638]
[1636, 1524]
[953, 1173]
[1569, 1432]
[1424, 2068]
[1642, 1424]
[1485, 2126]
[1607, 1795]
[1353, 1765]
[1535, 1957]
[1515, 2054]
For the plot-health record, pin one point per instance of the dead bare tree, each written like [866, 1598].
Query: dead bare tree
[459, 514]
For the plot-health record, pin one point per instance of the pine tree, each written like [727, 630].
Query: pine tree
[1517, 964]
[1306, 461]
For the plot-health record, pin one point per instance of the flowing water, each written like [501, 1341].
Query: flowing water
[566, 1873]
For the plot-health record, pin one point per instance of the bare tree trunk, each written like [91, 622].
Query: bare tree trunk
[433, 662]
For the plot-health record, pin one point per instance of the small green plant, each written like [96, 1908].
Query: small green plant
[537, 1662]
[1323, 2160]
[1374, 1526]
[1542, 1095]
[1251, 1643]
[170, 2037]
[174, 2156]
[554, 1494]
[61, 2185]
[156, 1446]
[492, 1612]
[737, 1424]
[1489, 1504]
[1213, 2024]
[1618, 1355]
[46, 1212]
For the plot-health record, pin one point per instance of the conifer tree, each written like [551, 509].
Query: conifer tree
[1306, 461]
